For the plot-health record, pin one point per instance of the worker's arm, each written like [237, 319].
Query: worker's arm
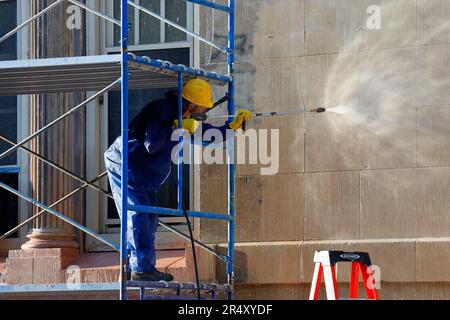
[216, 134]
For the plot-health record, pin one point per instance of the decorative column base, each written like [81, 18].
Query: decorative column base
[41, 240]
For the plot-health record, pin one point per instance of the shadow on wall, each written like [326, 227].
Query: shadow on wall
[215, 26]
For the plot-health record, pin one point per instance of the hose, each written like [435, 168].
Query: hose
[191, 236]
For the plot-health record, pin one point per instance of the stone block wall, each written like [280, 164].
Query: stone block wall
[375, 176]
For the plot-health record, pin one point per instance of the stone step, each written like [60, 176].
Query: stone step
[48, 266]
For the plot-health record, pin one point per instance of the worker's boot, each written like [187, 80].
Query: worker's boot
[153, 276]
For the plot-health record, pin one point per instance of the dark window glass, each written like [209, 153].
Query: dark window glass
[8, 21]
[150, 27]
[8, 204]
[176, 12]
[8, 105]
[8, 128]
[8, 120]
[167, 195]
[117, 28]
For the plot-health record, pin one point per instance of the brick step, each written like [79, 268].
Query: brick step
[49, 266]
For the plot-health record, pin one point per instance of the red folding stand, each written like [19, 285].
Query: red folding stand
[325, 264]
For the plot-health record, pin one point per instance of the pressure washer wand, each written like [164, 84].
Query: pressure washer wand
[204, 117]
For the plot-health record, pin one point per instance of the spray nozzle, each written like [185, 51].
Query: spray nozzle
[318, 110]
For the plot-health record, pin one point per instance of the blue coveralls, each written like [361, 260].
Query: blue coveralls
[149, 157]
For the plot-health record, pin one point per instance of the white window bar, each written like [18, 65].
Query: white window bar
[136, 27]
[163, 26]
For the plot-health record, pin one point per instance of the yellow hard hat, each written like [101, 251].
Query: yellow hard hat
[199, 92]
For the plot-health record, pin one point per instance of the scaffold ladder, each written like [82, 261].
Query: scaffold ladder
[166, 68]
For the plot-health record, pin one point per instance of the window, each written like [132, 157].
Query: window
[152, 38]
[8, 117]
[146, 29]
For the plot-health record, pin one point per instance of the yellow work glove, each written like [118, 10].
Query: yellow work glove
[190, 125]
[243, 115]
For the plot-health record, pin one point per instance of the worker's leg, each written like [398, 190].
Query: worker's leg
[147, 240]
[141, 227]
[141, 235]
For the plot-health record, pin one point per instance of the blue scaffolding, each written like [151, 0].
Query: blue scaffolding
[131, 62]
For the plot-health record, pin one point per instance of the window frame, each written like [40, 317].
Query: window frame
[109, 9]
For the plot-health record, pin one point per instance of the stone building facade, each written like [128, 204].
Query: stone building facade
[371, 175]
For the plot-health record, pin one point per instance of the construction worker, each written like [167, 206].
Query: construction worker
[149, 165]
